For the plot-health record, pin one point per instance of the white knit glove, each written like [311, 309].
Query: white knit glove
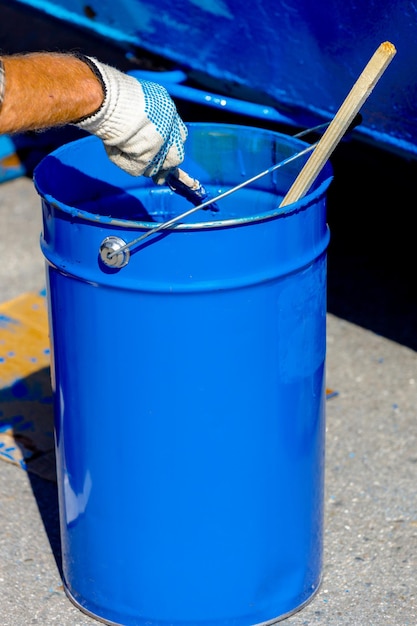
[138, 123]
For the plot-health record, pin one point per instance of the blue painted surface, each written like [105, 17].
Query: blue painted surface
[207, 351]
[295, 56]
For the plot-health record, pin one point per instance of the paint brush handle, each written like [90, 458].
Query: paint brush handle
[190, 188]
[341, 122]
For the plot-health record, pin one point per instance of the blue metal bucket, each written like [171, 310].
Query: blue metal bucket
[189, 384]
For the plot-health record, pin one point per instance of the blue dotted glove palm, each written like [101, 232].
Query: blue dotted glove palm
[139, 125]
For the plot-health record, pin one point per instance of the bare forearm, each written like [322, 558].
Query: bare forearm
[136, 119]
[43, 90]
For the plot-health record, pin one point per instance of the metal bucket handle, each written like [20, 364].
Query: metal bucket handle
[115, 252]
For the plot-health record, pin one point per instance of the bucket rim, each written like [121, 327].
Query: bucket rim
[306, 201]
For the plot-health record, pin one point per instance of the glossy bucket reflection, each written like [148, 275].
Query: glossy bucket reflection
[189, 385]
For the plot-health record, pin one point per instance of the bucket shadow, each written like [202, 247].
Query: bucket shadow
[26, 426]
[46, 495]
[371, 249]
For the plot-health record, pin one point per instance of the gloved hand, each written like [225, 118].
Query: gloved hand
[138, 123]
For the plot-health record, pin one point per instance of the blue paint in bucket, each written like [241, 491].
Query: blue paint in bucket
[189, 385]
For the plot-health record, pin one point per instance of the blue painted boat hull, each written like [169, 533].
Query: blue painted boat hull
[298, 58]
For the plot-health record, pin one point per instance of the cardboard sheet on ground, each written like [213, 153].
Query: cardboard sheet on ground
[26, 413]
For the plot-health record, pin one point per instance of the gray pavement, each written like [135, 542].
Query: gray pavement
[370, 561]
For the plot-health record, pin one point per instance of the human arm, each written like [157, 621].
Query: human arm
[44, 90]
[137, 120]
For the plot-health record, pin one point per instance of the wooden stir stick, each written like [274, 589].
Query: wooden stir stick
[341, 122]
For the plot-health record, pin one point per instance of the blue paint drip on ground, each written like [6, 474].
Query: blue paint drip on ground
[7, 452]
[331, 394]
[19, 389]
[6, 321]
[11, 422]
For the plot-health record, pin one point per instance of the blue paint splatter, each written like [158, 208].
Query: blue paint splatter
[6, 452]
[27, 426]
[331, 394]
[19, 389]
[9, 423]
[6, 321]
